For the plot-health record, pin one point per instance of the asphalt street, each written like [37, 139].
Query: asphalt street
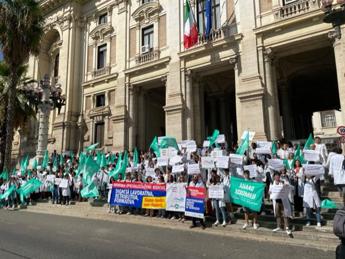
[31, 235]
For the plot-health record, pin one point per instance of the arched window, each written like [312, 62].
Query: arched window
[56, 65]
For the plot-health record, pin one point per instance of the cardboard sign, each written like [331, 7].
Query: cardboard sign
[252, 170]
[193, 169]
[206, 143]
[175, 160]
[220, 139]
[311, 155]
[216, 191]
[279, 192]
[276, 164]
[207, 162]
[150, 172]
[162, 161]
[314, 170]
[236, 159]
[63, 183]
[263, 147]
[177, 169]
[222, 162]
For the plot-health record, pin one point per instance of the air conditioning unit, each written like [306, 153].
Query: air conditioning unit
[145, 49]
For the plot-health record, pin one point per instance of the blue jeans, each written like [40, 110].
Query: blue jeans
[215, 205]
[318, 215]
[55, 194]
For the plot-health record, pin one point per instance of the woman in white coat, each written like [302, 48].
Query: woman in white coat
[311, 199]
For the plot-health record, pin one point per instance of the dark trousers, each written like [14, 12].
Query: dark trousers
[195, 220]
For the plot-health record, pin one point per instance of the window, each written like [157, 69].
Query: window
[100, 100]
[101, 56]
[99, 133]
[56, 65]
[146, 1]
[286, 2]
[147, 39]
[103, 18]
[201, 15]
[328, 119]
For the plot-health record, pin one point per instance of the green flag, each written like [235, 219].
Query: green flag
[309, 142]
[328, 204]
[244, 145]
[103, 162]
[90, 168]
[247, 193]
[274, 148]
[298, 155]
[135, 158]
[121, 167]
[212, 139]
[34, 164]
[28, 188]
[62, 160]
[91, 147]
[90, 191]
[4, 175]
[155, 147]
[45, 160]
[71, 154]
[168, 142]
[55, 164]
[8, 192]
[24, 165]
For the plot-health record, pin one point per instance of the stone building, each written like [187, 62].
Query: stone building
[267, 66]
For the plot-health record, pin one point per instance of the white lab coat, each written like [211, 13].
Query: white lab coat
[310, 198]
[336, 169]
[286, 203]
[321, 148]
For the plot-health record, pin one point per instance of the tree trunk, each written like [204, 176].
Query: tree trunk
[2, 146]
[10, 118]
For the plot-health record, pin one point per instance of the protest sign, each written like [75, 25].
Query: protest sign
[177, 169]
[221, 139]
[279, 192]
[176, 197]
[207, 162]
[175, 160]
[63, 183]
[50, 178]
[191, 146]
[276, 164]
[222, 162]
[164, 152]
[252, 170]
[216, 191]
[217, 153]
[162, 161]
[247, 193]
[313, 170]
[193, 169]
[206, 143]
[150, 172]
[236, 159]
[139, 195]
[195, 206]
[57, 181]
[311, 155]
[263, 147]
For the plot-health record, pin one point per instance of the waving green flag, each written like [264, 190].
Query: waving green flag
[71, 154]
[8, 192]
[4, 175]
[135, 158]
[155, 147]
[310, 141]
[55, 164]
[24, 165]
[45, 160]
[103, 162]
[90, 191]
[90, 168]
[298, 155]
[62, 160]
[121, 167]
[274, 148]
[212, 139]
[91, 147]
[244, 145]
[34, 164]
[28, 188]
[168, 142]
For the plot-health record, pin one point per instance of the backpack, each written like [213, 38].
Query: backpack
[339, 223]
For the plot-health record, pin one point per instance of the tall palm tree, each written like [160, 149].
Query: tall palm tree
[25, 107]
[21, 29]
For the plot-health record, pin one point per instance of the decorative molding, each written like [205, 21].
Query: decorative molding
[101, 31]
[99, 112]
[146, 12]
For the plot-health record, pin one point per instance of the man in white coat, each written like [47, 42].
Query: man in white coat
[337, 170]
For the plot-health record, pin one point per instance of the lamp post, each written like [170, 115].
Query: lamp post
[334, 14]
[45, 97]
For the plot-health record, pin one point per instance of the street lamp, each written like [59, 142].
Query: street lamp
[334, 14]
[45, 97]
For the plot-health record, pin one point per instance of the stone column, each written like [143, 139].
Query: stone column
[339, 53]
[235, 63]
[189, 105]
[271, 97]
[202, 111]
[288, 124]
[132, 121]
[141, 119]
[197, 112]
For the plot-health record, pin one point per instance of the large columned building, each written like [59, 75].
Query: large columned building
[267, 66]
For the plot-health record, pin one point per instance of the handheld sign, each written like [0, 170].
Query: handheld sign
[314, 170]
[252, 170]
[177, 169]
[193, 169]
[222, 162]
[207, 162]
[311, 155]
[216, 191]
[236, 159]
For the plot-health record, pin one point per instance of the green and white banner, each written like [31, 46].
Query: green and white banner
[247, 193]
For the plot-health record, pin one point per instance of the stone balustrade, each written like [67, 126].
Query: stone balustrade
[297, 8]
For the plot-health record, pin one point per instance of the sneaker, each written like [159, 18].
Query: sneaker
[224, 224]
[245, 226]
[216, 223]
[308, 224]
[128, 213]
[318, 225]
[276, 229]
[288, 232]
[255, 226]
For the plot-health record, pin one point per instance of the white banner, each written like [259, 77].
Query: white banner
[164, 152]
[177, 169]
[236, 159]
[311, 155]
[222, 162]
[314, 170]
[193, 169]
[207, 162]
[176, 197]
[162, 161]
[263, 147]
[216, 191]
[206, 143]
[150, 172]
[252, 170]
[279, 192]
[217, 153]
[63, 183]
[276, 164]
[175, 160]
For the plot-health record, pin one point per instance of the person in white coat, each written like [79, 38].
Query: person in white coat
[311, 199]
[65, 185]
[322, 149]
[337, 170]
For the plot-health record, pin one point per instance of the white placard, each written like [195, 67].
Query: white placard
[217, 153]
[176, 197]
[191, 147]
[207, 162]
[263, 151]
[311, 155]
[236, 159]
[252, 170]
[216, 191]
[220, 139]
[150, 172]
[63, 183]
[162, 161]
[177, 169]
[57, 181]
[276, 164]
[193, 169]
[279, 192]
[175, 160]
[222, 162]
[251, 135]
[50, 178]
[164, 152]
[172, 152]
[206, 143]
[314, 170]
[264, 144]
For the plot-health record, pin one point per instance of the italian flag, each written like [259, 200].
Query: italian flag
[190, 27]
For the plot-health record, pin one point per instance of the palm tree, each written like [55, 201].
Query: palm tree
[21, 29]
[24, 106]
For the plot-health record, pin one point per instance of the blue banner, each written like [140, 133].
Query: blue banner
[195, 206]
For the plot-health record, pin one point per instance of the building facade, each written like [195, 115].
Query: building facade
[267, 66]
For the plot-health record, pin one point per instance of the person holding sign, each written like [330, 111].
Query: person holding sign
[311, 199]
[248, 212]
[197, 182]
[281, 205]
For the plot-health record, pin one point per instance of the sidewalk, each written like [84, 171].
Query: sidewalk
[322, 239]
